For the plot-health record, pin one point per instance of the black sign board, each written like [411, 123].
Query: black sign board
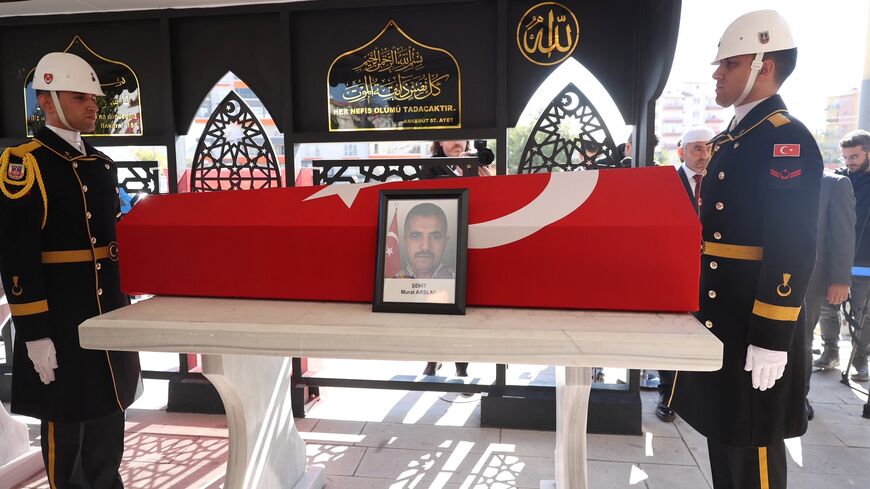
[393, 82]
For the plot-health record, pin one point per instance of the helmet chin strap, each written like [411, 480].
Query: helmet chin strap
[756, 67]
[59, 110]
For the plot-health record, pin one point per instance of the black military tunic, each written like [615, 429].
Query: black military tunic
[759, 214]
[59, 265]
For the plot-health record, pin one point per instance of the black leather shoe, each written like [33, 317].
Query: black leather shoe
[431, 368]
[811, 413]
[665, 413]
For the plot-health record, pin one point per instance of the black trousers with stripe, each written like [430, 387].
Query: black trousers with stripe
[747, 467]
[84, 455]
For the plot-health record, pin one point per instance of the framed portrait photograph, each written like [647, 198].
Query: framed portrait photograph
[421, 252]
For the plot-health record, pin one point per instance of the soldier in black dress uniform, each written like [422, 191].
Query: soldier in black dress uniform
[759, 209]
[59, 264]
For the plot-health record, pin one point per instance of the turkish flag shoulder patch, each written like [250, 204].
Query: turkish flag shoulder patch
[786, 150]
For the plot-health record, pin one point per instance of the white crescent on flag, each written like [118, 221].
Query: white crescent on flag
[564, 193]
[786, 150]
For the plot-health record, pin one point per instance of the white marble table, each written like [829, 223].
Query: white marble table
[247, 345]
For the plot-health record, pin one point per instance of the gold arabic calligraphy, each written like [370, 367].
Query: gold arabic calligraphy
[534, 31]
[391, 60]
[399, 87]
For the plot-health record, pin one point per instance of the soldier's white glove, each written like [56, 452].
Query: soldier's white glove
[44, 358]
[766, 366]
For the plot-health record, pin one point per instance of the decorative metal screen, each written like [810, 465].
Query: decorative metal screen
[381, 170]
[137, 177]
[234, 152]
[569, 135]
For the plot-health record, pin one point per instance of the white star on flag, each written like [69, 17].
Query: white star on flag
[347, 192]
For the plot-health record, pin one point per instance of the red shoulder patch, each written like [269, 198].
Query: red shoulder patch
[15, 171]
[785, 174]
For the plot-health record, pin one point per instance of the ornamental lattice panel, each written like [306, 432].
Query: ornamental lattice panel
[328, 172]
[234, 152]
[569, 135]
[137, 177]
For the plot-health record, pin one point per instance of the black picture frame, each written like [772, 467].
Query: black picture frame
[402, 290]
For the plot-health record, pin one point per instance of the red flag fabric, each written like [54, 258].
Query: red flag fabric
[392, 260]
[621, 239]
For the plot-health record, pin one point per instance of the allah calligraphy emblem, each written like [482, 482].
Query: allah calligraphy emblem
[234, 152]
[569, 135]
[119, 112]
[548, 33]
[394, 82]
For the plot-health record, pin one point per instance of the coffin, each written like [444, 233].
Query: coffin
[622, 239]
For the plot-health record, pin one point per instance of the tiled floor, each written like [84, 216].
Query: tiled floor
[399, 439]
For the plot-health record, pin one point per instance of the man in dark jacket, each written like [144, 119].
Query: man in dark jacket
[855, 147]
[759, 208]
[829, 285]
[59, 265]
[694, 152]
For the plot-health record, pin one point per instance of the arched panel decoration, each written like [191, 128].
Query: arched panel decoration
[234, 152]
[569, 135]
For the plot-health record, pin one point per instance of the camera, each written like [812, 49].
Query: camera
[484, 154]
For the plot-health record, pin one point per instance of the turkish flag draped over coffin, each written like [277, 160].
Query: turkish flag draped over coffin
[624, 239]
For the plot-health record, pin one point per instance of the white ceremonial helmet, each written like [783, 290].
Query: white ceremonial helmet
[65, 72]
[758, 32]
[695, 134]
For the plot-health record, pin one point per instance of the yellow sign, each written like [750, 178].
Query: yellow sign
[394, 82]
[548, 33]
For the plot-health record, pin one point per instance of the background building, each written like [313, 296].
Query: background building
[841, 116]
[681, 106]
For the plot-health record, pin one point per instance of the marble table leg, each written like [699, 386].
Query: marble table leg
[14, 439]
[573, 385]
[265, 449]
[18, 460]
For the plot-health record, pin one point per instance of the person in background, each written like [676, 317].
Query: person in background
[458, 148]
[694, 151]
[451, 149]
[624, 151]
[832, 275]
[855, 148]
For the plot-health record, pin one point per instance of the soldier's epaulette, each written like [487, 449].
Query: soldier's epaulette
[25, 148]
[778, 119]
[18, 178]
[16, 169]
